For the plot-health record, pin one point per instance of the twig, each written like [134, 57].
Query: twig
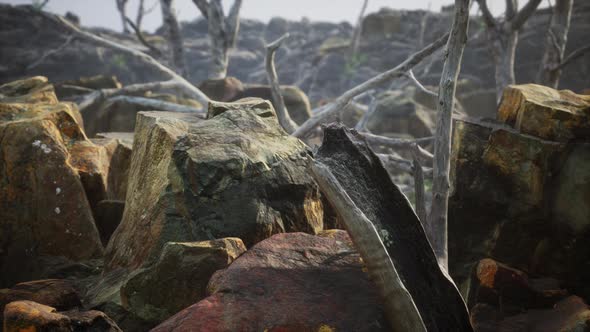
[402, 164]
[413, 78]
[573, 56]
[186, 86]
[51, 52]
[341, 102]
[156, 51]
[401, 144]
[282, 112]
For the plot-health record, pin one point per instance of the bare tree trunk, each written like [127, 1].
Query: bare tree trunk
[121, 7]
[222, 35]
[358, 29]
[437, 221]
[555, 42]
[282, 112]
[504, 51]
[140, 13]
[174, 36]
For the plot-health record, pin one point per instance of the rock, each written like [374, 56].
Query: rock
[499, 285]
[295, 100]
[276, 27]
[570, 314]
[546, 113]
[225, 89]
[397, 114]
[43, 206]
[479, 103]
[108, 217]
[362, 176]
[32, 316]
[289, 282]
[237, 174]
[58, 293]
[118, 153]
[381, 25]
[515, 200]
[190, 265]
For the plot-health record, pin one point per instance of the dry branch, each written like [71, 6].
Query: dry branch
[573, 56]
[282, 113]
[155, 104]
[401, 309]
[155, 51]
[51, 52]
[419, 199]
[186, 86]
[402, 165]
[340, 103]
[555, 42]
[437, 221]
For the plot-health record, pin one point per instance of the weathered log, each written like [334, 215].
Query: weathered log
[362, 175]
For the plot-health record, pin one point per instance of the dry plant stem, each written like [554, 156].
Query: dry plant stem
[155, 104]
[100, 95]
[190, 90]
[419, 187]
[341, 102]
[51, 52]
[402, 312]
[419, 85]
[282, 112]
[437, 220]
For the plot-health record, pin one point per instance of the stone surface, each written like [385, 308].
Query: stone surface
[289, 282]
[296, 100]
[23, 316]
[150, 294]
[546, 113]
[361, 174]
[237, 174]
[43, 205]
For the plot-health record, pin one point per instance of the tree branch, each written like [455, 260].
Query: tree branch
[156, 51]
[573, 56]
[437, 222]
[340, 102]
[175, 42]
[356, 35]
[51, 52]
[155, 104]
[488, 18]
[232, 23]
[401, 309]
[523, 15]
[419, 200]
[402, 165]
[203, 6]
[282, 112]
[413, 78]
[186, 86]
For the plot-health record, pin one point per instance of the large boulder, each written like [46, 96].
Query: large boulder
[236, 174]
[150, 294]
[31, 316]
[546, 113]
[289, 282]
[43, 206]
[520, 188]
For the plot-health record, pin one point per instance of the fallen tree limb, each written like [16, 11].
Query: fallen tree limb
[403, 144]
[340, 103]
[401, 309]
[155, 104]
[186, 86]
[282, 113]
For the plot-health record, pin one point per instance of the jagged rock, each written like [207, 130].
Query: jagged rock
[31, 316]
[397, 114]
[499, 285]
[43, 206]
[117, 148]
[57, 293]
[362, 176]
[190, 265]
[225, 89]
[546, 113]
[237, 174]
[295, 100]
[289, 282]
[515, 200]
[570, 314]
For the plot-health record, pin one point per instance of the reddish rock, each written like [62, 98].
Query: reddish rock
[58, 293]
[289, 282]
[225, 89]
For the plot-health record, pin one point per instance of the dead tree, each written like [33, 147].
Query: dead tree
[555, 42]
[122, 8]
[437, 219]
[502, 37]
[174, 35]
[142, 11]
[358, 29]
[222, 33]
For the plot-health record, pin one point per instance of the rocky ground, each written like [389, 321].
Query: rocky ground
[123, 218]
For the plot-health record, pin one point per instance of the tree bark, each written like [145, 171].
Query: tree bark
[437, 221]
[175, 41]
[222, 35]
[122, 8]
[555, 42]
[503, 46]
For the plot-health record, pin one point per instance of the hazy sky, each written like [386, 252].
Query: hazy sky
[104, 12]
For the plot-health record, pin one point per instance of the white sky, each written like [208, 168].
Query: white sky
[103, 13]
